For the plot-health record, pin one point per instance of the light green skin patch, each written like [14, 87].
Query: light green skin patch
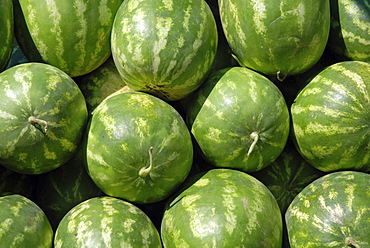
[236, 105]
[64, 35]
[106, 222]
[283, 37]
[164, 48]
[23, 223]
[232, 209]
[332, 211]
[6, 32]
[123, 129]
[49, 94]
[330, 118]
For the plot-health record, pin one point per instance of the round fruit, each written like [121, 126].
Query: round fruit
[164, 48]
[332, 211]
[106, 222]
[280, 38]
[42, 118]
[73, 35]
[6, 32]
[331, 118]
[23, 224]
[239, 120]
[223, 208]
[138, 148]
[350, 30]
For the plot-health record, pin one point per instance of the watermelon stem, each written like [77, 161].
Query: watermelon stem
[280, 76]
[146, 170]
[351, 243]
[255, 137]
[34, 120]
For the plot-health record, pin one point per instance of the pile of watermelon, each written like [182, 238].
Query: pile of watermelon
[192, 123]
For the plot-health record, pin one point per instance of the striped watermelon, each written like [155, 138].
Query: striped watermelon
[106, 222]
[73, 35]
[223, 208]
[101, 83]
[42, 118]
[280, 38]
[165, 48]
[239, 119]
[350, 29]
[23, 223]
[60, 190]
[6, 32]
[331, 118]
[138, 148]
[333, 211]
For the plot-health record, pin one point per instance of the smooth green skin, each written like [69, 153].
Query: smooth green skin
[337, 104]
[101, 83]
[106, 222]
[341, 201]
[62, 105]
[171, 68]
[122, 130]
[349, 31]
[240, 102]
[63, 188]
[295, 35]
[23, 224]
[222, 208]
[6, 32]
[60, 37]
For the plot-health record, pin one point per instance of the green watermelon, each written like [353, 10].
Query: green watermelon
[331, 118]
[6, 32]
[60, 190]
[106, 222]
[350, 30]
[73, 36]
[165, 48]
[138, 148]
[239, 119]
[42, 118]
[23, 224]
[333, 211]
[223, 208]
[280, 38]
[101, 83]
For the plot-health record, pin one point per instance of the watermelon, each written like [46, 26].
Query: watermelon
[349, 35]
[138, 148]
[223, 208]
[73, 36]
[332, 211]
[101, 83]
[239, 119]
[330, 118]
[165, 48]
[280, 38]
[23, 224]
[42, 118]
[106, 222]
[6, 32]
[60, 190]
